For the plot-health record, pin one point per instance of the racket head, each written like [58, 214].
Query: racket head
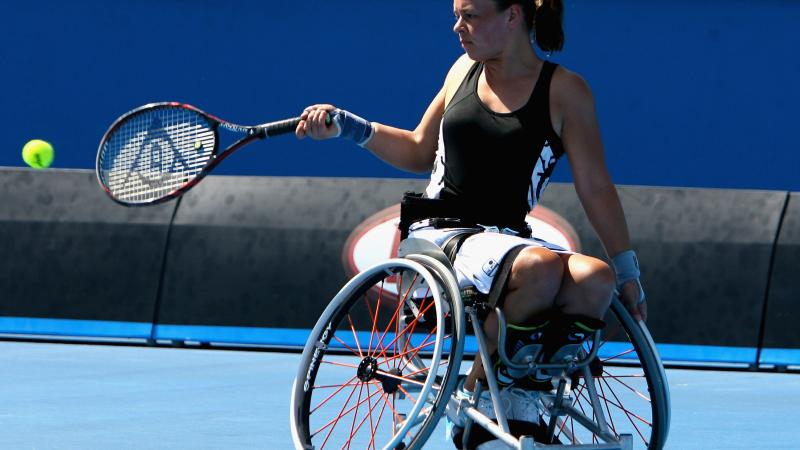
[155, 152]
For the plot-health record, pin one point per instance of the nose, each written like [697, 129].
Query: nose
[458, 25]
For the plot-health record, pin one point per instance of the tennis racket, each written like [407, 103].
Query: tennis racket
[159, 151]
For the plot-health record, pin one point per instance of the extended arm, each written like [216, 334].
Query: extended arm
[413, 151]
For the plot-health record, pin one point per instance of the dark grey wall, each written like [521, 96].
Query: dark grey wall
[250, 251]
[267, 252]
[68, 252]
[783, 309]
[704, 255]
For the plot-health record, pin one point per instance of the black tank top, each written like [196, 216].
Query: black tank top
[497, 163]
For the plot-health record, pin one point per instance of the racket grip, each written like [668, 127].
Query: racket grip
[286, 126]
[281, 127]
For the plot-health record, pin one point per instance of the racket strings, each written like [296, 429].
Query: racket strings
[156, 152]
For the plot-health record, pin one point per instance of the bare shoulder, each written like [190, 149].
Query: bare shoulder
[571, 99]
[569, 90]
[456, 75]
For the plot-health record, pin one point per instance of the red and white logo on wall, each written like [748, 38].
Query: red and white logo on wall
[377, 238]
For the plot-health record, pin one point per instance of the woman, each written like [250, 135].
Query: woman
[492, 137]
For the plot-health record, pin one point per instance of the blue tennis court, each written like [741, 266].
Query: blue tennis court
[79, 396]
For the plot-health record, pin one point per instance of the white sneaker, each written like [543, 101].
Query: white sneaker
[523, 404]
[455, 419]
[484, 405]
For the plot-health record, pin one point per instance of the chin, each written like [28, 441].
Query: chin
[475, 56]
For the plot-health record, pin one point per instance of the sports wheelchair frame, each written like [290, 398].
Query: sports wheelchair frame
[382, 363]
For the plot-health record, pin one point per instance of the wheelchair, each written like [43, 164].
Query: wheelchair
[382, 363]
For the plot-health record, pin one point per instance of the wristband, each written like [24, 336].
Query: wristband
[351, 126]
[626, 268]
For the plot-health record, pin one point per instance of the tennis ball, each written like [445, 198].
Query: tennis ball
[38, 154]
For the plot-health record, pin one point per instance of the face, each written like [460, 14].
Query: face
[482, 29]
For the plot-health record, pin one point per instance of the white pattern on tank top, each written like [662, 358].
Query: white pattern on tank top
[540, 177]
[436, 184]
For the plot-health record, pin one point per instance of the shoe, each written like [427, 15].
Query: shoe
[523, 404]
[455, 418]
[484, 405]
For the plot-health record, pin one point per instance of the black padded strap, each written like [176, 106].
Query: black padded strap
[501, 278]
[451, 246]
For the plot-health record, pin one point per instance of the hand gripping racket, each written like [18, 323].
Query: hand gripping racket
[157, 152]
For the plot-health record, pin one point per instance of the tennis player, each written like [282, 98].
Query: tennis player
[491, 139]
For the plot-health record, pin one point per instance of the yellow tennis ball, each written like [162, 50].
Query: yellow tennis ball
[38, 154]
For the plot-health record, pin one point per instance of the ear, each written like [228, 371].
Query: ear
[515, 15]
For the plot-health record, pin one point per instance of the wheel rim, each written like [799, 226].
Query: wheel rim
[629, 388]
[358, 388]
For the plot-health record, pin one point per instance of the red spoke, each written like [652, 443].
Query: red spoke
[400, 303]
[609, 337]
[394, 409]
[608, 410]
[353, 328]
[641, 375]
[332, 395]
[628, 414]
[335, 421]
[635, 391]
[339, 364]
[355, 353]
[408, 339]
[371, 407]
[580, 405]
[426, 369]
[572, 425]
[563, 424]
[396, 334]
[617, 356]
[425, 343]
[414, 327]
[377, 424]
[343, 414]
[397, 377]
[369, 414]
[355, 417]
[374, 318]
[618, 404]
[331, 386]
[404, 330]
[407, 394]
[415, 351]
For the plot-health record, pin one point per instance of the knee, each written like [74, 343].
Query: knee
[536, 266]
[594, 277]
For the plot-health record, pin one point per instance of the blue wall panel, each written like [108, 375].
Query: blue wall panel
[689, 93]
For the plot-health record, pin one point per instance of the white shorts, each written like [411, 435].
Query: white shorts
[478, 258]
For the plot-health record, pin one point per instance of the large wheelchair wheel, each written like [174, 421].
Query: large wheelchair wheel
[626, 383]
[382, 360]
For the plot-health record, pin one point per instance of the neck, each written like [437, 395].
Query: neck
[517, 60]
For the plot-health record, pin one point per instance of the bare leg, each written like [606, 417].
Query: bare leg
[533, 283]
[586, 286]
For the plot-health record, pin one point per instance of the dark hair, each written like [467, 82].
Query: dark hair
[544, 18]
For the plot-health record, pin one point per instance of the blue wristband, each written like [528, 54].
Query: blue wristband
[351, 126]
[626, 268]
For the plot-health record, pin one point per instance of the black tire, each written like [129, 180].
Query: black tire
[359, 374]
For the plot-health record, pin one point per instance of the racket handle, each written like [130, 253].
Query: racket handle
[281, 127]
[286, 126]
